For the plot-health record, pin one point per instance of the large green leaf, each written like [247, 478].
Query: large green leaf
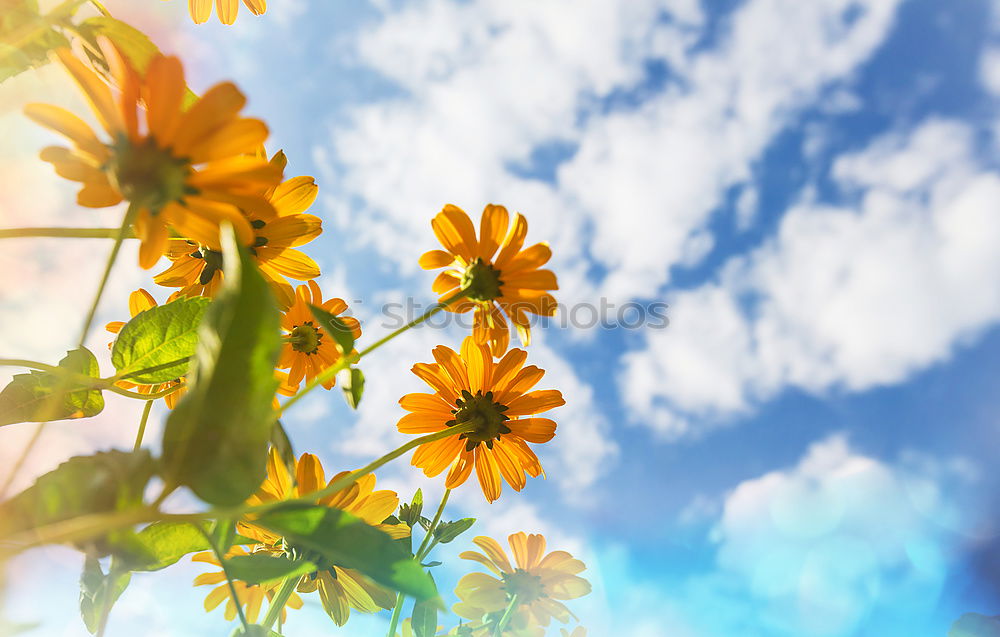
[133, 43]
[162, 340]
[43, 396]
[345, 540]
[215, 440]
[423, 620]
[105, 482]
[163, 544]
[258, 568]
[99, 592]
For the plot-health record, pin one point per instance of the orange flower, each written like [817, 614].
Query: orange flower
[201, 10]
[535, 583]
[140, 301]
[251, 596]
[197, 270]
[182, 169]
[496, 284]
[494, 395]
[308, 349]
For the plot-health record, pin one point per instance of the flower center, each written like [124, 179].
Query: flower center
[481, 281]
[486, 416]
[526, 586]
[148, 175]
[305, 338]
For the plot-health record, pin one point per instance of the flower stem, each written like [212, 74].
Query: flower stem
[63, 233]
[229, 579]
[142, 425]
[130, 215]
[419, 555]
[277, 604]
[347, 361]
[498, 631]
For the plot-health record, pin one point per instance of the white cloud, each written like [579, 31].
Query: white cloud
[843, 297]
[487, 83]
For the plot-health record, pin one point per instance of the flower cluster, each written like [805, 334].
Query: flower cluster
[190, 167]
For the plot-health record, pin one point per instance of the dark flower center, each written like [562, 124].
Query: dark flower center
[306, 338]
[148, 175]
[481, 282]
[486, 416]
[526, 586]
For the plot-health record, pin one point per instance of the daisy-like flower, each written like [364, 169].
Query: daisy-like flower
[495, 397]
[537, 584]
[340, 589]
[308, 349]
[509, 282]
[201, 10]
[182, 169]
[250, 596]
[139, 301]
[197, 270]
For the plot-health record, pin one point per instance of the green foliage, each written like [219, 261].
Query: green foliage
[156, 345]
[410, 513]
[44, 396]
[215, 440]
[105, 482]
[253, 630]
[163, 544]
[135, 45]
[281, 443]
[344, 540]
[26, 37]
[99, 592]
[975, 625]
[335, 328]
[448, 531]
[352, 382]
[424, 618]
[258, 568]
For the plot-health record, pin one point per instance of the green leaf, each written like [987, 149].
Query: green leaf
[283, 445]
[26, 38]
[336, 328]
[410, 513]
[165, 543]
[135, 45]
[156, 345]
[102, 483]
[215, 440]
[975, 625]
[258, 568]
[352, 382]
[99, 592]
[33, 397]
[344, 540]
[448, 531]
[423, 621]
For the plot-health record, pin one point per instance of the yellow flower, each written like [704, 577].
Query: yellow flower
[539, 581]
[197, 270]
[183, 169]
[340, 589]
[139, 301]
[308, 349]
[201, 10]
[472, 387]
[251, 596]
[496, 284]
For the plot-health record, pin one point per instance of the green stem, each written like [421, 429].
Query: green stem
[63, 233]
[22, 362]
[420, 555]
[229, 579]
[277, 604]
[130, 215]
[498, 632]
[25, 452]
[147, 397]
[142, 425]
[347, 361]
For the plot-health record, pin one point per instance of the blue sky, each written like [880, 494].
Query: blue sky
[811, 187]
